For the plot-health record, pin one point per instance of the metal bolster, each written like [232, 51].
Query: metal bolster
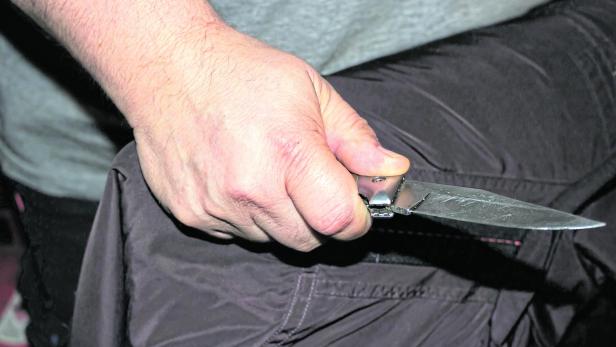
[386, 195]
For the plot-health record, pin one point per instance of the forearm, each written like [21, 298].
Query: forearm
[133, 48]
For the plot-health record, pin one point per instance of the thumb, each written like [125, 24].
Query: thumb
[355, 144]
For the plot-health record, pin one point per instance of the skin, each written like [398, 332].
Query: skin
[234, 137]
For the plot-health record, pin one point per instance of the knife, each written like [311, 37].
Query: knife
[386, 196]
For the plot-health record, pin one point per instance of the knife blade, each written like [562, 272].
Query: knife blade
[386, 196]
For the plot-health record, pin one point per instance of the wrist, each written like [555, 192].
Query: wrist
[161, 77]
[149, 73]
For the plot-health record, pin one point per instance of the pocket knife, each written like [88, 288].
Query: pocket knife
[386, 196]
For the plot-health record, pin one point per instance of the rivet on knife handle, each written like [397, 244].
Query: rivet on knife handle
[386, 195]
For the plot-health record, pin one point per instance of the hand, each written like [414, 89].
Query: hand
[234, 137]
[258, 145]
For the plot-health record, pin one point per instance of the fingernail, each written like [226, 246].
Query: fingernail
[395, 162]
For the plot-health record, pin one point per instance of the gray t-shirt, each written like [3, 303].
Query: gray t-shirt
[54, 140]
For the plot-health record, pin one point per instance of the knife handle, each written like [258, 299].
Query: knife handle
[386, 195]
[379, 193]
[379, 190]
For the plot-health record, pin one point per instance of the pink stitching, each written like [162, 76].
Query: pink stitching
[516, 243]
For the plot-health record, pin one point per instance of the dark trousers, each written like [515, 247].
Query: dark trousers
[526, 109]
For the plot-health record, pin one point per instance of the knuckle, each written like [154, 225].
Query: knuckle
[335, 220]
[288, 147]
[307, 247]
[304, 242]
[242, 190]
[360, 122]
[194, 215]
[293, 153]
[361, 126]
[250, 199]
[297, 236]
[186, 217]
[208, 208]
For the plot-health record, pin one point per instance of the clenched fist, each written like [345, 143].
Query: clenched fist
[258, 145]
[234, 137]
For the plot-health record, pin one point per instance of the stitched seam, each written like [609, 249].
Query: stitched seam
[590, 85]
[598, 40]
[406, 297]
[516, 243]
[304, 314]
[411, 292]
[298, 285]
